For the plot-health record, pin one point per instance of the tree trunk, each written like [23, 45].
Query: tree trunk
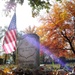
[5, 59]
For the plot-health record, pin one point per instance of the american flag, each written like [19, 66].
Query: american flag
[9, 42]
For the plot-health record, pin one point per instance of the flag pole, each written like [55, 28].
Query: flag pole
[16, 45]
[15, 60]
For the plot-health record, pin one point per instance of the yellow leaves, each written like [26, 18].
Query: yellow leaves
[61, 18]
[6, 70]
[63, 15]
[40, 33]
[42, 39]
[56, 9]
[41, 30]
[59, 15]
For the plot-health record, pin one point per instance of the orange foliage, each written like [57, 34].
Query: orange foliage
[55, 23]
[70, 7]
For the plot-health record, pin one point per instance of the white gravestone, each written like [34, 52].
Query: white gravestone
[28, 51]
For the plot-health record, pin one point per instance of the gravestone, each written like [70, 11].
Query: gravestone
[28, 51]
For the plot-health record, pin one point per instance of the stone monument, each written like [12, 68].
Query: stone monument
[28, 51]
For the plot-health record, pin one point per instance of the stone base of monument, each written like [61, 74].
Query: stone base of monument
[28, 66]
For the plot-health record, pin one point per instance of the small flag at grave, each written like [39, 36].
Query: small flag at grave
[9, 42]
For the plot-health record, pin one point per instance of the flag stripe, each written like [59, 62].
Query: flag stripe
[5, 40]
[11, 40]
[7, 48]
[14, 38]
[6, 45]
[13, 34]
[9, 36]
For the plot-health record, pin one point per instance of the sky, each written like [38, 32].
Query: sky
[23, 15]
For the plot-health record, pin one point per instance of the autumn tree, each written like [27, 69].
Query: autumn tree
[57, 30]
[71, 11]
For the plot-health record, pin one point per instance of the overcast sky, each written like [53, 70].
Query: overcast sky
[24, 16]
